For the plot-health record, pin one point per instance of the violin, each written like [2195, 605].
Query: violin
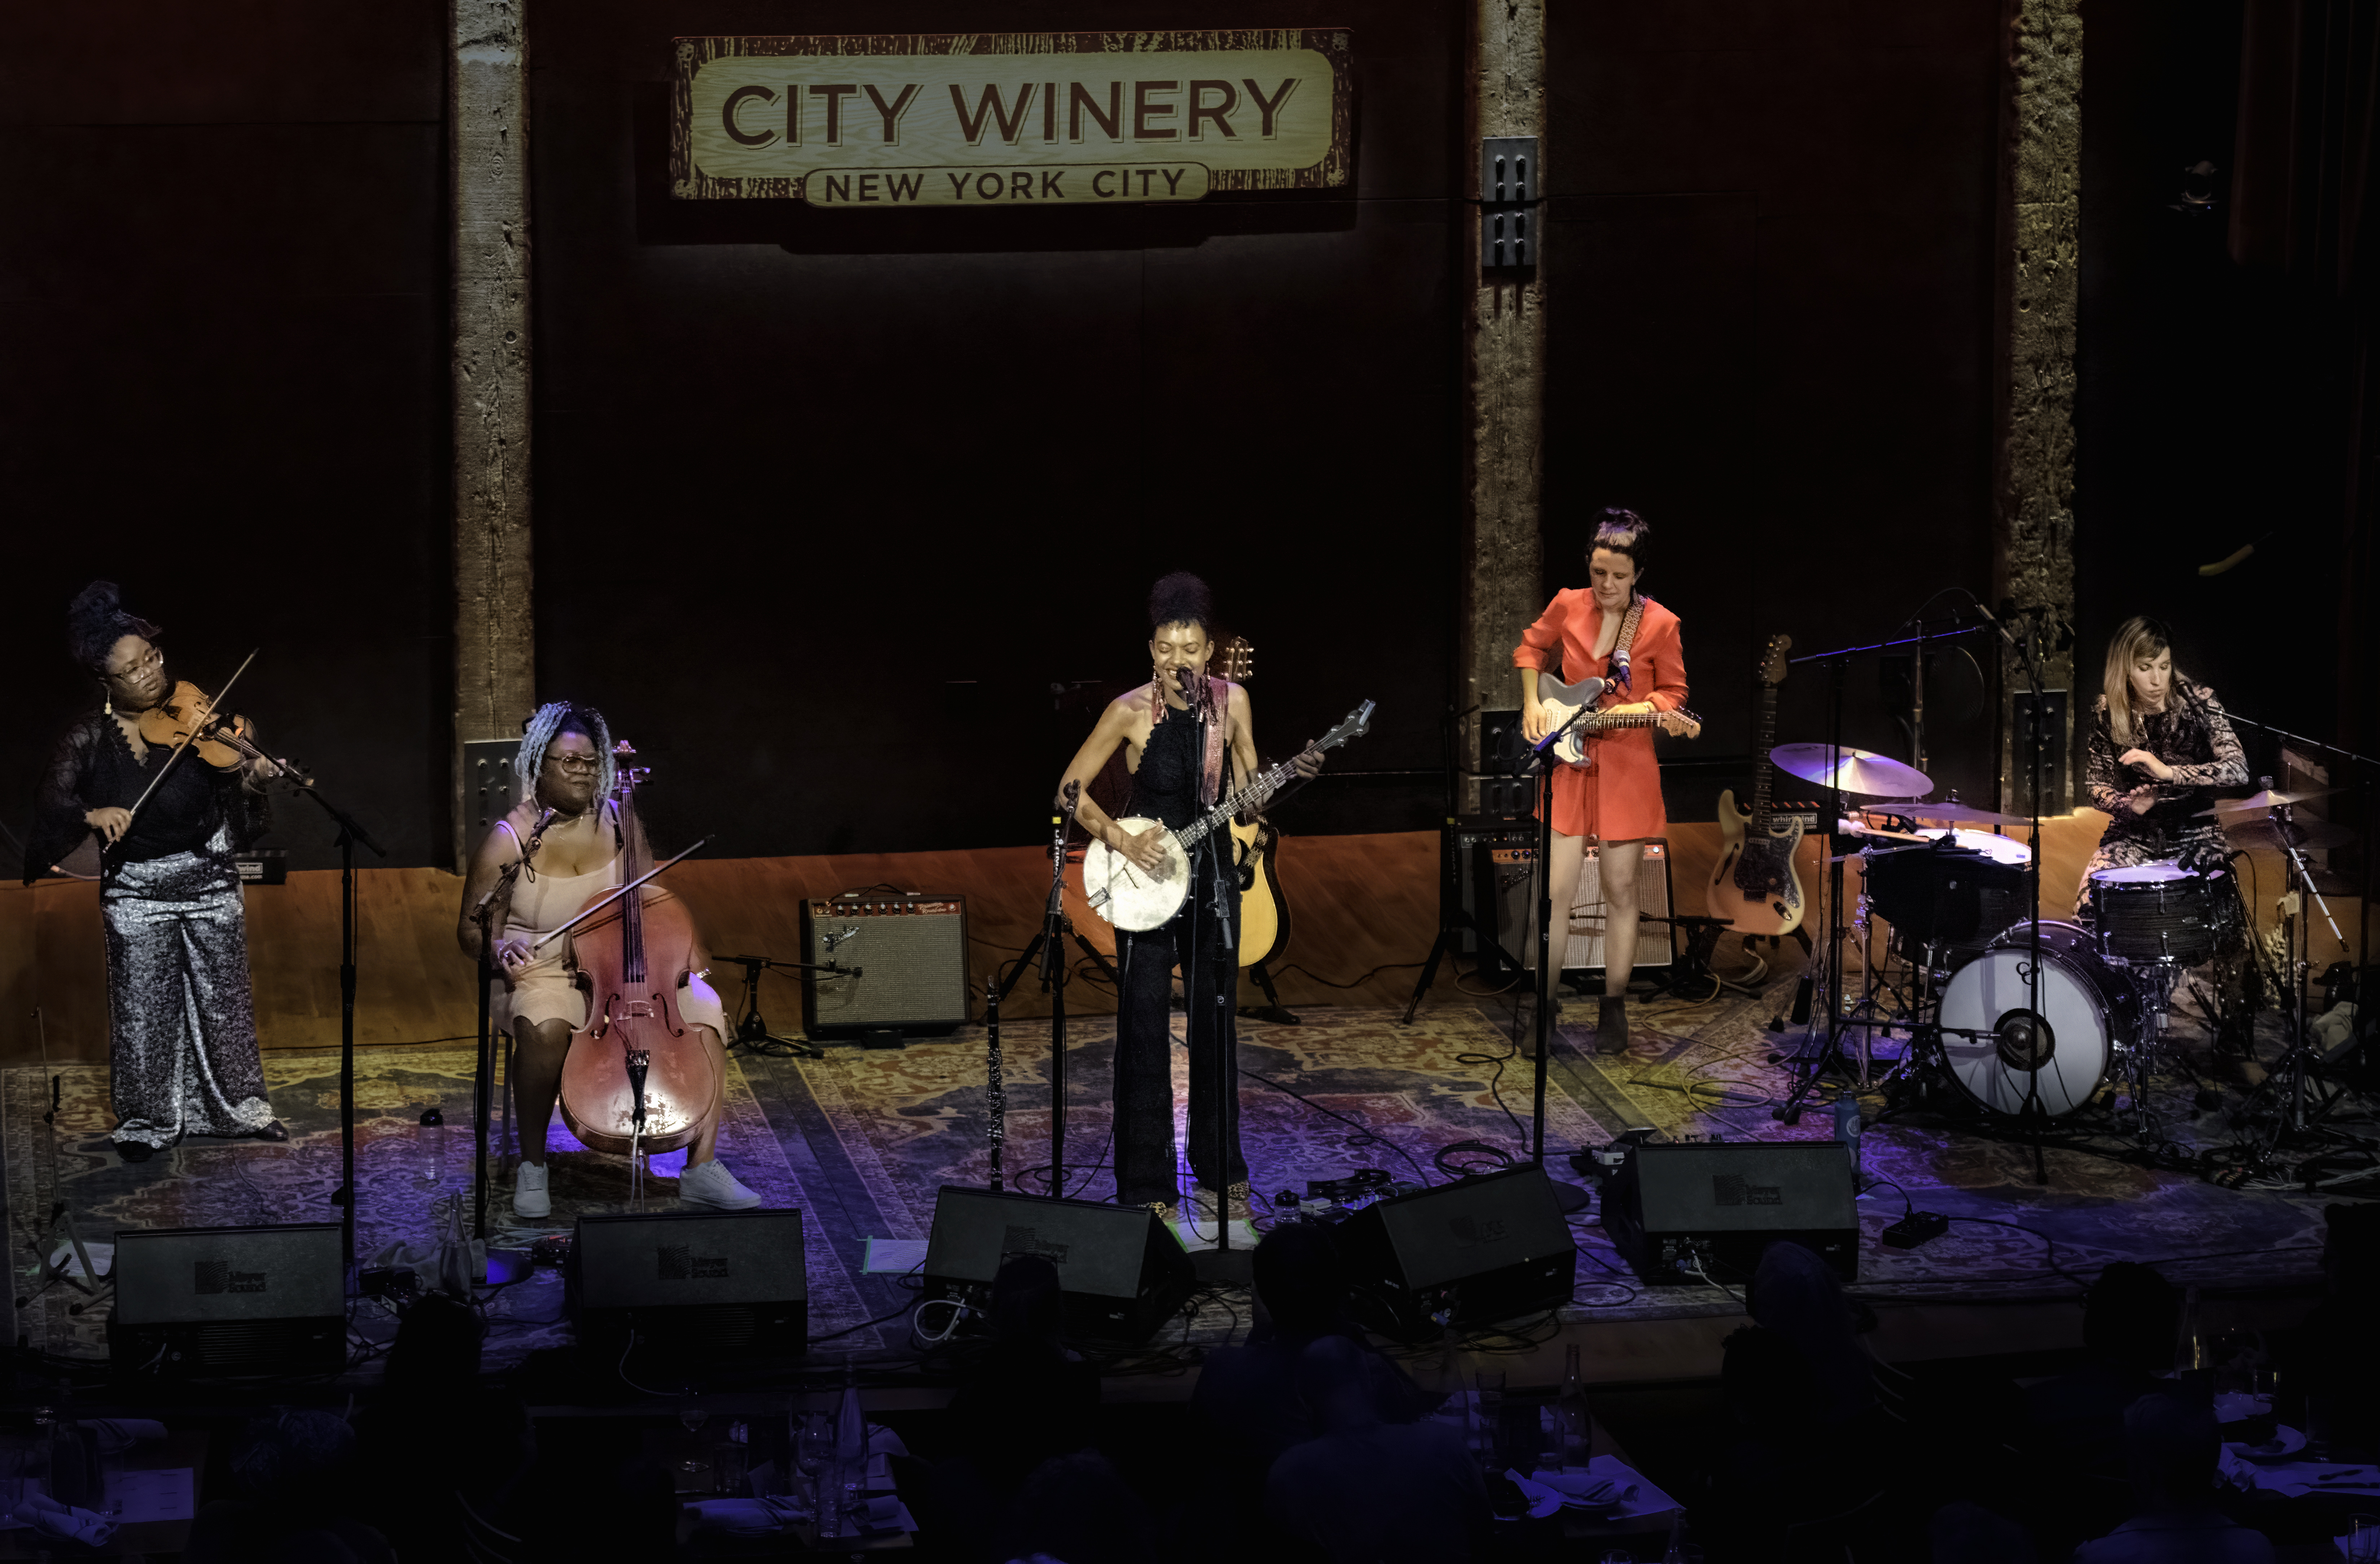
[187, 716]
[637, 1077]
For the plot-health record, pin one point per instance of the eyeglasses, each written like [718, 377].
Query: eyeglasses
[156, 660]
[574, 762]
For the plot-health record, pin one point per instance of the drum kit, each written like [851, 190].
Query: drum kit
[1958, 901]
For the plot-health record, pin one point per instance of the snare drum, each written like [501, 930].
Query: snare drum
[2090, 1010]
[2156, 914]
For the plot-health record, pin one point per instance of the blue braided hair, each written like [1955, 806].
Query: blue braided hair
[552, 722]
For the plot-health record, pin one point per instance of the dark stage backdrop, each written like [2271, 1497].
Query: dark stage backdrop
[1771, 263]
[828, 500]
[2217, 398]
[223, 314]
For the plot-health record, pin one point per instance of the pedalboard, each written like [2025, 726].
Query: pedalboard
[1915, 1229]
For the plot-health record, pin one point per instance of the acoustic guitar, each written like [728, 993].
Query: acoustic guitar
[1264, 906]
[1755, 885]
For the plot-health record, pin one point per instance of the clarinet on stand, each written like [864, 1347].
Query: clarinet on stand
[995, 1089]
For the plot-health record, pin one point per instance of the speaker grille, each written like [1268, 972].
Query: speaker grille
[912, 953]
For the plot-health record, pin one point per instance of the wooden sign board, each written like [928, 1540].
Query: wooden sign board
[1015, 119]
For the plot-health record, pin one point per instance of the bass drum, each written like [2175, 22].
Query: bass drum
[2090, 1010]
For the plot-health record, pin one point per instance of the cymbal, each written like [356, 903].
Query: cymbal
[2301, 833]
[2267, 800]
[1862, 771]
[1965, 812]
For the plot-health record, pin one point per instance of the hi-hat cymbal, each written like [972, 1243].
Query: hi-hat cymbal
[2267, 800]
[1862, 771]
[1953, 811]
[2299, 833]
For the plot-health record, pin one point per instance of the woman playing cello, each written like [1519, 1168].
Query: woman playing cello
[565, 765]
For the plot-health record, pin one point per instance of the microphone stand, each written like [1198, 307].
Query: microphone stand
[751, 1030]
[2039, 1040]
[483, 1071]
[350, 833]
[1541, 755]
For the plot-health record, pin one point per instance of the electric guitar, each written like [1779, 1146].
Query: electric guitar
[1755, 886]
[1563, 702]
[1130, 897]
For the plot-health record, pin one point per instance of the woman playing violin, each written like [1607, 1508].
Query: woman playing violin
[181, 1021]
[565, 764]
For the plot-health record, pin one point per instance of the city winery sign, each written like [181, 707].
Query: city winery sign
[1010, 119]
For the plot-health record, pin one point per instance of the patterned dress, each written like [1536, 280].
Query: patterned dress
[181, 1020]
[2191, 736]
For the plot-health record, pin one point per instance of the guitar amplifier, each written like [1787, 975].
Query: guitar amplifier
[1717, 1206]
[1500, 889]
[911, 949]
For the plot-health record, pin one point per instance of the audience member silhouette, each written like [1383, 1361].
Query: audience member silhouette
[436, 1438]
[1022, 1401]
[2170, 1449]
[1793, 1293]
[2129, 1319]
[2333, 1360]
[1363, 1491]
[1965, 1532]
[296, 1475]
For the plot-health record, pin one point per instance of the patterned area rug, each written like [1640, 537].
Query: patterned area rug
[862, 1141]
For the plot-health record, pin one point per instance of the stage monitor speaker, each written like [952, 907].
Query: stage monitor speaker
[911, 949]
[1717, 1205]
[693, 1286]
[1477, 1251]
[1124, 1272]
[207, 1301]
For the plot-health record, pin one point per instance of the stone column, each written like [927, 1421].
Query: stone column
[1504, 381]
[495, 662]
[2040, 246]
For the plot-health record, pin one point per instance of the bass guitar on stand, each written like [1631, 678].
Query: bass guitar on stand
[1755, 886]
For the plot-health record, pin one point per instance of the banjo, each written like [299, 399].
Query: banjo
[1566, 699]
[1136, 899]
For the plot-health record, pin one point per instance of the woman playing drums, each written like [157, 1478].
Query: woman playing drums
[2159, 746]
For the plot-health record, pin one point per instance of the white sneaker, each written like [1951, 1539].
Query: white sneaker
[709, 1184]
[529, 1200]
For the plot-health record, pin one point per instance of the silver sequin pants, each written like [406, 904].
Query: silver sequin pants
[182, 1023]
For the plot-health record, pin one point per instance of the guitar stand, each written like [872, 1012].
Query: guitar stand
[1272, 1010]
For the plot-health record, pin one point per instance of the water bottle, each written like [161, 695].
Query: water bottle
[71, 1454]
[429, 1146]
[455, 1268]
[1847, 1130]
[35, 1471]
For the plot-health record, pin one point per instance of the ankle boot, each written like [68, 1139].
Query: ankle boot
[1611, 1025]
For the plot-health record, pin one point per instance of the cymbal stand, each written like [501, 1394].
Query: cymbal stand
[2291, 1066]
[1810, 1062]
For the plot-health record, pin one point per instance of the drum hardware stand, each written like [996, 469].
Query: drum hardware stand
[2291, 1069]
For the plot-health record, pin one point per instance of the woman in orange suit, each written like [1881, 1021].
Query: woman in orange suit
[1612, 631]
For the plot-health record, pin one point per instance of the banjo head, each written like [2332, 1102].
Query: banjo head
[1125, 894]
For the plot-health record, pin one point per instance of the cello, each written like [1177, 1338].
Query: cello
[638, 1078]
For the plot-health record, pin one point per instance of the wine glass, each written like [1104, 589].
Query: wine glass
[691, 1416]
[813, 1453]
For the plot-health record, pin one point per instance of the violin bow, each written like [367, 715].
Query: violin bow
[187, 740]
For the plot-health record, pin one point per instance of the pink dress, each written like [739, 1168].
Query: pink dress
[1619, 797]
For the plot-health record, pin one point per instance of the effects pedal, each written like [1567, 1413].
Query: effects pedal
[1915, 1229]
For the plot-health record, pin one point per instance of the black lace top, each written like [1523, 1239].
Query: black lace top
[2191, 736]
[1166, 786]
[92, 767]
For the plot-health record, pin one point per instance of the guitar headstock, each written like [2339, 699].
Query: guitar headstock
[1772, 661]
[1354, 725]
[1234, 659]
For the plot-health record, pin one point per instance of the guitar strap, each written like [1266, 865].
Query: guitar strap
[1616, 669]
[1210, 774]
